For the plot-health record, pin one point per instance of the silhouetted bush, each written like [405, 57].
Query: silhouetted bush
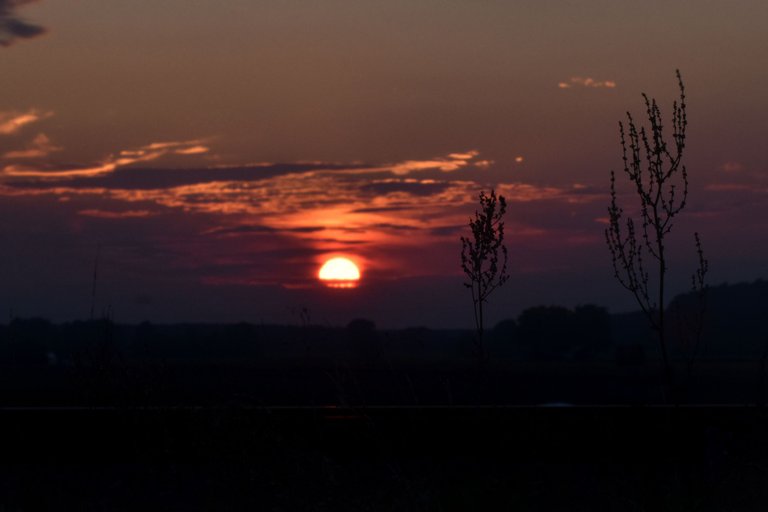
[506, 328]
[484, 257]
[555, 332]
[638, 242]
[27, 342]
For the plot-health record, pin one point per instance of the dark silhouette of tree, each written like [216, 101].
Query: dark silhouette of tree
[484, 256]
[591, 329]
[660, 179]
[555, 332]
[545, 331]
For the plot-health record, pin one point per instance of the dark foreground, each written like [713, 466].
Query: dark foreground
[418, 458]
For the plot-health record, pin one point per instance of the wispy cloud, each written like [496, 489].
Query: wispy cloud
[39, 147]
[578, 81]
[111, 163]
[108, 214]
[181, 147]
[46, 171]
[285, 197]
[732, 167]
[469, 155]
[12, 27]
[452, 162]
[193, 150]
[13, 121]
[731, 187]
[484, 163]
[525, 192]
[387, 216]
[736, 176]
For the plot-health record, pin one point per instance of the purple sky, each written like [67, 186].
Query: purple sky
[219, 152]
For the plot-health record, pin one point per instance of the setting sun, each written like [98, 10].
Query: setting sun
[339, 273]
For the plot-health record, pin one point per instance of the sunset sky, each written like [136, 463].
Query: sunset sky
[215, 153]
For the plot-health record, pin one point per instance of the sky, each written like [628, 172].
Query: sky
[206, 157]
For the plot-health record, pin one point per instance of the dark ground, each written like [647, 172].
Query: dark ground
[100, 416]
[433, 458]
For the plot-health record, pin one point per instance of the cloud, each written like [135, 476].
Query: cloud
[525, 192]
[13, 121]
[730, 187]
[12, 27]
[738, 177]
[732, 167]
[107, 214]
[40, 147]
[408, 186]
[181, 147]
[469, 155]
[194, 150]
[384, 209]
[117, 171]
[751, 188]
[228, 222]
[152, 178]
[289, 198]
[326, 206]
[396, 227]
[587, 82]
[57, 172]
[110, 164]
[452, 162]
[447, 230]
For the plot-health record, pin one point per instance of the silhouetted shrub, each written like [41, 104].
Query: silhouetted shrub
[638, 242]
[555, 332]
[506, 328]
[28, 342]
[484, 257]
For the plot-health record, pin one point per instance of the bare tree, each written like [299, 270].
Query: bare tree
[484, 256]
[655, 169]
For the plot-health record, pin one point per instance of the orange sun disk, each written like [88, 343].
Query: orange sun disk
[339, 273]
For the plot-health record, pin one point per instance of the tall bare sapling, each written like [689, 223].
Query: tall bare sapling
[638, 242]
[484, 257]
